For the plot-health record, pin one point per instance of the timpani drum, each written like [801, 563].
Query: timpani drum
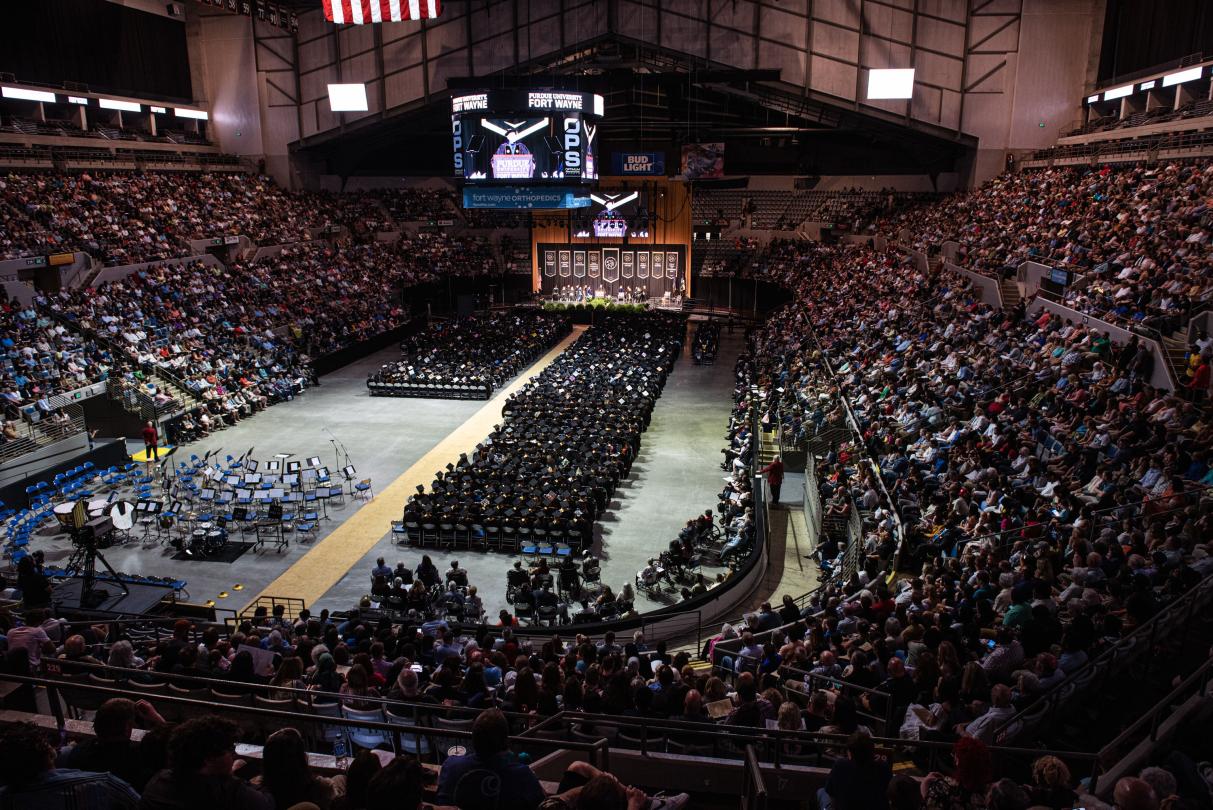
[63, 514]
[96, 507]
[122, 514]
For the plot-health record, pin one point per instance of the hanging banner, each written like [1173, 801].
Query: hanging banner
[671, 265]
[549, 263]
[642, 264]
[610, 265]
[593, 259]
[578, 264]
[628, 262]
[566, 263]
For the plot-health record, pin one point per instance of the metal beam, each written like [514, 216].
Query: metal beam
[1011, 21]
[808, 47]
[986, 75]
[377, 32]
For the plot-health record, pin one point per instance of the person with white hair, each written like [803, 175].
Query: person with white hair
[122, 654]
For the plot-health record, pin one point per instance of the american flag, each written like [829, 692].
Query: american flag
[373, 11]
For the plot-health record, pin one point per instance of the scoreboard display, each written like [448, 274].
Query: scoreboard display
[523, 137]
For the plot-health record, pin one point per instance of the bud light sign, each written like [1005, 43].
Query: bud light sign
[633, 163]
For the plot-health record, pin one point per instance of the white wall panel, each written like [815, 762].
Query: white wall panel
[881, 53]
[444, 67]
[833, 78]
[355, 38]
[1051, 75]
[732, 49]
[361, 68]
[404, 87]
[787, 28]
[401, 53]
[444, 38]
[493, 55]
[938, 70]
[842, 12]
[688, 34]
[739, 15]
[948, 9]
[882, 21]
[941, 36]
[832, 41]
[637, 20]
[543, 37]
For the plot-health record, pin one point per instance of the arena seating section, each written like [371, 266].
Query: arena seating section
[1048, 510]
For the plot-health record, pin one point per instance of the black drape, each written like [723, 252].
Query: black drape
[109, 47]
[1139, 34]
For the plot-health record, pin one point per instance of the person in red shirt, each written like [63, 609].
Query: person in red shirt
[774, 474]
[1199, 384]
[150, 440]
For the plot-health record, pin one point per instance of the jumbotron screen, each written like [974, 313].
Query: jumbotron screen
[520, 137]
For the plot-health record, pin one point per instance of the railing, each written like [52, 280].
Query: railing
[754, 787]
[1147, 726]
[32, 435]
[572, 731]
[291, 606]
[1141, 641]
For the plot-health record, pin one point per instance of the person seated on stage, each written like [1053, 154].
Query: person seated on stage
[419, 597]
[427, 572]
[539, 570]
[524, 597]
[380, 588]
[456, 575]
[472, 603]
[607, 597]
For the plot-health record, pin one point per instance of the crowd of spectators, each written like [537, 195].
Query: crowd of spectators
[1139, 235]
[417, 204]
[484, 349]
[40, 358]
[1051, 500]
[242, 337]
[128, 217]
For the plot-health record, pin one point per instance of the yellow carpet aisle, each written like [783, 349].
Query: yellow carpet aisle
[329, 561]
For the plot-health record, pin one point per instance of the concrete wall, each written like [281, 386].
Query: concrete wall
[987, 289]
[244, 72]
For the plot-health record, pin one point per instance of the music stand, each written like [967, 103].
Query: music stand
[251, 465]
[290, 480]
[293, 466]
[252, 478]
[313, 461]
[273, 466]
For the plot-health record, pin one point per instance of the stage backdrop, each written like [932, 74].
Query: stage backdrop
[654, 269]
[668, 232]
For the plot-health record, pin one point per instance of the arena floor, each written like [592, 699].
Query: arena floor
[401, 442]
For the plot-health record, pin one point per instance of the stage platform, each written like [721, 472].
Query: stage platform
[141, 600]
